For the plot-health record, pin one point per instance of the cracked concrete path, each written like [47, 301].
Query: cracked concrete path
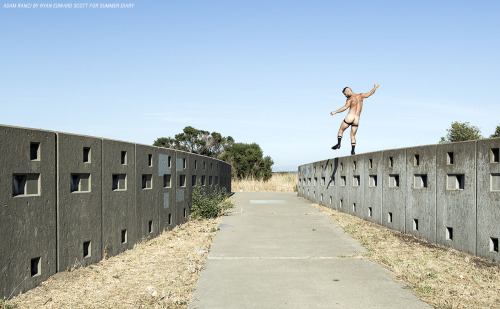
[275, 250]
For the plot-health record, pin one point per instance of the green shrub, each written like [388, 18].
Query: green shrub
[206, 206]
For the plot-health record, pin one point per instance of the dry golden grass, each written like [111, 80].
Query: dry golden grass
[158, 273]
[279, 182]
[442, 277]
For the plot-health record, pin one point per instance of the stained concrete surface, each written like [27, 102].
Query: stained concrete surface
[275, 250]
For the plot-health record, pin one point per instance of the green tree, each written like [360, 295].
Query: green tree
[497, 132]
[461, 131]
[247, 160]
[197, 141]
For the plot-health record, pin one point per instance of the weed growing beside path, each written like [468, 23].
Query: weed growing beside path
[440, 276]
[158, 273]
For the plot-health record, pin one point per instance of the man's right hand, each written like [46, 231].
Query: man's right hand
[376, 86]
[332, 113]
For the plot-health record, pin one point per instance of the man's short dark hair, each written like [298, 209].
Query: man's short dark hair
[343, 91]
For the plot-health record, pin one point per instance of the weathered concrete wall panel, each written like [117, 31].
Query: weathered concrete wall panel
[119, 232]
[394, 189]
[456, 196]
[79, 207]
[27, 208]
[421, 192]
[374, 170]
[488, 199]
[167, 179]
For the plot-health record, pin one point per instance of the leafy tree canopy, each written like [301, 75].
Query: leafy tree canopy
[497, 132]
[461, 131]
[246, 160]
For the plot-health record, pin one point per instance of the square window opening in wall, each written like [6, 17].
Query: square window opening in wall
[323, 181]
[449, 233]
[182, 180]
[354, 165]
[124, 236]
[202, 180]
[193, 180]
[449, 158]
[195, 164]
[354, 207]
[420, 181]
[455, 182]
[494, 155]
[391, 162]
[372, 181]
[86, 249]
[494, 182]
[416, 160]
[150, 160]
[331, 200]
[150, 227]
[370, 212]
[394, 180]
[315, 181]
[86, 155]
[370, 163]
[341, 167]
[415, 224]
[169, 160]
[119, 182]
[25, 184]
[167, 181]
[356, 179]
[493, 244]
[184, 163]
[321, 197]
[342, 180]
[36, 267]
[80, 183]
[123, 158]
[169, 219]
[340, 203]
[147, 181]
[389, 217]
[35, 151]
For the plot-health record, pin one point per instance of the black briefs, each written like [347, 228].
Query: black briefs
[350, 124]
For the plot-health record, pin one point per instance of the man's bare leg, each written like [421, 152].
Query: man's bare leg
[354, 129]
[343, 126]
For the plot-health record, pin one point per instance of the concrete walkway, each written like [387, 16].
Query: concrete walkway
[275, 250]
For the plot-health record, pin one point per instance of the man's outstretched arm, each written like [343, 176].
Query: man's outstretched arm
[346, 106]
[366, 95]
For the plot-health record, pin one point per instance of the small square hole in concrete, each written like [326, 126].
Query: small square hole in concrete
[169, 219]
[321, 198]
[167, 181]
[494, 244]
[210, 180]
[354, 165]
[330, 200]
[356, 180]
[342, 180]
[182, 180]
[449, 158]
[119, 182]
[315, 181]
[193, 180]
[370, 163]
[341, 167]
[389, 217]
[184, 163]
[332, 180]
[124, 236]
[455, 182]
[323, 181]
[86, 154]
[372, 181]
[370, 212]
[420, 181]
[147, 182]
[415, 224]
[185, 213]
[123, 158]
[86, 249]
[340, 204]
[150, 160]
[394, 181]
[36, 267]
[391, 162]
[449, 233]
[354, 207]
[150, 227]
[169, 161]
[416, 160]
[202, 180]
[494, 155]
[35, 151]
[195, 164]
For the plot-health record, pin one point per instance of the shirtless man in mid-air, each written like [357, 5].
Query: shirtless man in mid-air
[354, 104]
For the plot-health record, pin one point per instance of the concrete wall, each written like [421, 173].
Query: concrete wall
[69, 200]
[447, 194]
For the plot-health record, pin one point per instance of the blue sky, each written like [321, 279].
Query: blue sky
[268, 71]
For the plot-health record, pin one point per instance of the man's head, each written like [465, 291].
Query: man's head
[347, 92]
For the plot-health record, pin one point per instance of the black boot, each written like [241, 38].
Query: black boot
[338, 144]
[352, 151]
